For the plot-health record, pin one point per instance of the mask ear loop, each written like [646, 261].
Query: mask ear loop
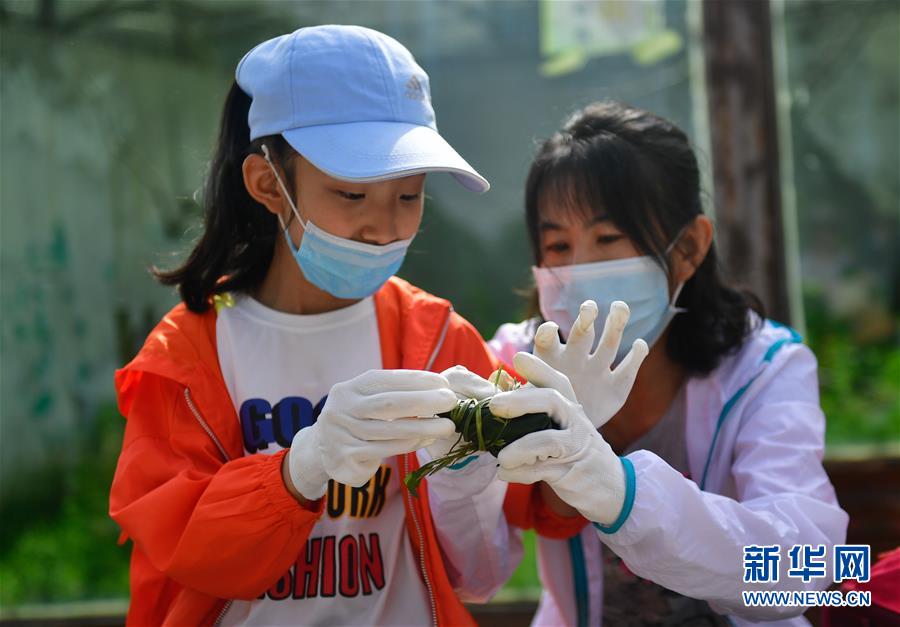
[284, 226]
[674, 300]
[675, 240]
[680, 286]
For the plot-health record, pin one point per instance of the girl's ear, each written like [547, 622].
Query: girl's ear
[691, 249]
[262, 185]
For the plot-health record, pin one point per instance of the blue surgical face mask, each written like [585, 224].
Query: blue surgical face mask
[342, 267]
[639, 281]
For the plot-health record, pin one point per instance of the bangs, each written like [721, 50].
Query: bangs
[601, 180]
[570, 188]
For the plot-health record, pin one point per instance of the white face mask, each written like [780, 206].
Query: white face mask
[639, 281]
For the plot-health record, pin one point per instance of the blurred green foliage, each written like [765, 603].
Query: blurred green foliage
[71, 554]
[859, 376]
[524, 583]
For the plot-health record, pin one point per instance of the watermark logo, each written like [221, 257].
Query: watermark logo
[807, 562]
[852, 562]
[807, 598]
[849, 562]
[761, 563]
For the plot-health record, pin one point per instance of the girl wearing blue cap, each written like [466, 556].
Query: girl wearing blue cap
[721, 436]
[273, 414]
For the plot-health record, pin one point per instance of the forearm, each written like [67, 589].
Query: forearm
[556, 504]
[692, 541]
[202, 531]
[525, 508]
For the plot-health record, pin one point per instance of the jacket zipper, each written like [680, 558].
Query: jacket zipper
[421, 539]
[203, 423]
[412, 510]
[224, 611]
[440, 342]
[209, 432]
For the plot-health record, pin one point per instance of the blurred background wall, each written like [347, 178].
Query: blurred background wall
[108, 113]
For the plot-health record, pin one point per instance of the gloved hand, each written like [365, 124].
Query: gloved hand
[574, 460]
[366, 419]
[466, 384]
[600, 390]
[457, 485]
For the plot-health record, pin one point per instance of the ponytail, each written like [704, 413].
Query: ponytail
[238, 241]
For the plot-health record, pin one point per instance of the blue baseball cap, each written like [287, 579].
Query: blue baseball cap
[352, 101]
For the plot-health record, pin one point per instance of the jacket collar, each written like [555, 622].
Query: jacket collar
[182, 347]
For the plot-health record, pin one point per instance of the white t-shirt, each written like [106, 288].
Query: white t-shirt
[358, 566]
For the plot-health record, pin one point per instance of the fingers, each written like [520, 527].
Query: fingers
[467, 384]
[502, 381]
[612, 332]
[541, 471]
[400, 429]
[546, 342]
[541, 375]
[377, 451]
[581, 337]
[394, 405]
[376, 381]
[534, 448]
[360, 464]
[626, 372]
[530, 401]
[361, 459]
[522, 474]
[351, 472]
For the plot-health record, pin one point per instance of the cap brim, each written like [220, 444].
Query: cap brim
[374, 151]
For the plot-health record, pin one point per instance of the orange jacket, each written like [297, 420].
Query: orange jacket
[209, 523]
[524, 507]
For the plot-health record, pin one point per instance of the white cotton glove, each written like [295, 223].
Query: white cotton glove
[462, 491]
[574, 460]
[600, 390]
[465, 384]
[378, 414]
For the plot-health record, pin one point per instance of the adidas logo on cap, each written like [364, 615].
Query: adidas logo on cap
[414, 89]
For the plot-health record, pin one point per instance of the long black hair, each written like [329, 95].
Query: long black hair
[238, 241]
[640, 171]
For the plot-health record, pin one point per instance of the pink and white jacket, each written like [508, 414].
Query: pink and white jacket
[755, 437]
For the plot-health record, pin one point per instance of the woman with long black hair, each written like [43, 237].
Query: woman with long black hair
[715, 456]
